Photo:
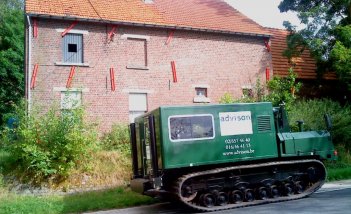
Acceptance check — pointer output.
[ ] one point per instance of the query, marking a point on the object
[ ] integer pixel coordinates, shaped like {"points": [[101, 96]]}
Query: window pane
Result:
{"points": [[134, 114], [138, 102], [201, 92], [72, 48], [191, 127]]}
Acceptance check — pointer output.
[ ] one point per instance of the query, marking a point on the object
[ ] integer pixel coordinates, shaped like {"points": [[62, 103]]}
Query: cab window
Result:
{"points": [[191, 127]]}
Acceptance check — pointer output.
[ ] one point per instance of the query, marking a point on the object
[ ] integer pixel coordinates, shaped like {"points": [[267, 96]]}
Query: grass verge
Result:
{"points": [[335, 174], [102, 172], [340, 169], [76, 203]]}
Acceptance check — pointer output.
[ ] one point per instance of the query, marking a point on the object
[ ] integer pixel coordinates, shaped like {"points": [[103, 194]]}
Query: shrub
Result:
{"points": [[226, 98], [312, 112], [6, 162], [280, 90], [117, 139], [49, 144], [283, 89], [255, 94]]}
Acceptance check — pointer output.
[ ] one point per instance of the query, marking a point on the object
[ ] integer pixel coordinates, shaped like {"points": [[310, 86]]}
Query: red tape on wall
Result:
{"points": [[70, 77], [170, 36], [112, 78], [112, 32], [34, 76], [266, 43], [35, 28], [69, 28], [267, 74], [174, 72]]}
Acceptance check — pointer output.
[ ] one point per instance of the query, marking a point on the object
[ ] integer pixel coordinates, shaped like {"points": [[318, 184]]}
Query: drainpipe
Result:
{"points": [[29, 64]]}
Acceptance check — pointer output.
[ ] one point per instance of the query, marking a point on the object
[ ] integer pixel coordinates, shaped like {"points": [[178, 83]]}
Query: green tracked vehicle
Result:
{"points": [[214, 157]]}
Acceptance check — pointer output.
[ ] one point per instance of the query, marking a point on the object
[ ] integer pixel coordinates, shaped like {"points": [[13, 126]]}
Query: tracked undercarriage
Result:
{"points": [[239, 186]]}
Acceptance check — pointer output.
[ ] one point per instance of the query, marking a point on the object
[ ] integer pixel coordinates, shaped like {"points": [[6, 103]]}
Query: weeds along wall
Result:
{"points": [[141, 62], [48, 145]]}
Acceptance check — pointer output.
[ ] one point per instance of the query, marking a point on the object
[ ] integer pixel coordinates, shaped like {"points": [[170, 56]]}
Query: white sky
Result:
{"points": [[264, 12]]}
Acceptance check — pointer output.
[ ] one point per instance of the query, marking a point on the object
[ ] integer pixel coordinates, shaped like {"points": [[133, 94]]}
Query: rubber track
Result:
{"points": [[307, 192]]}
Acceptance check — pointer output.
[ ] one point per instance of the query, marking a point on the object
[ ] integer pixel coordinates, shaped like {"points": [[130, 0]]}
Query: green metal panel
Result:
{"points": [[159, 134], [143, 146], [240, 132], [308, 143], [287, 145]]}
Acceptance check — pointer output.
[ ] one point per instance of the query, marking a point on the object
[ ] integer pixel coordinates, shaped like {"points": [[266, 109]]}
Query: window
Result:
{"points": [[71, 99], [201, 95], [247, 92], [73, 48], [191, 127], [137, 105], [201, 92], [136, 51]]}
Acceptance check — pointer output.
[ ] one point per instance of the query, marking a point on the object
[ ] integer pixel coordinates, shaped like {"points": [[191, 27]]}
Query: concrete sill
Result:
{"points": [[137, 67], [202, 100], [72, 64]]}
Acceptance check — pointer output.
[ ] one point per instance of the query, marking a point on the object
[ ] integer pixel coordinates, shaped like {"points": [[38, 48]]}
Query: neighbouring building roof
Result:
{"points": [[210, 15], [304, 65]]}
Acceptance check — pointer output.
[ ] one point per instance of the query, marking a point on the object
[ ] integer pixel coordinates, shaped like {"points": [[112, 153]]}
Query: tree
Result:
{"points": [[327, 34], [11, 55], [12, 4]]}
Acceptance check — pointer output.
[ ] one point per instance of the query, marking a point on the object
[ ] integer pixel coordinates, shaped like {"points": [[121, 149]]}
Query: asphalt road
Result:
{"points": [[332, 198]]}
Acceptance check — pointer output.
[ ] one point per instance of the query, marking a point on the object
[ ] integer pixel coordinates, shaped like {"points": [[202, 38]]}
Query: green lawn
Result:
{"points": [[76, 203]]}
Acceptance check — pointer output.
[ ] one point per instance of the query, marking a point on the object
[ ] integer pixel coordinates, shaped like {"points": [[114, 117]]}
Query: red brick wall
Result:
{"points": [[224, 63]]}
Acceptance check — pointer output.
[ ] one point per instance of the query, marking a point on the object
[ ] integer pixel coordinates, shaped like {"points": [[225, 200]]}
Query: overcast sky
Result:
{"points": [[264, 12]]}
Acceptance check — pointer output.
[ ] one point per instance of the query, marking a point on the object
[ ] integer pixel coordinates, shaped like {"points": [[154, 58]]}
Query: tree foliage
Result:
{"points": [[327, 33], [11, 55]]}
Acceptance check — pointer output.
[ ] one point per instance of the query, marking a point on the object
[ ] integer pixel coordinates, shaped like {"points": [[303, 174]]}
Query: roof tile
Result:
{"points": [[304, 65], [214, 15]]}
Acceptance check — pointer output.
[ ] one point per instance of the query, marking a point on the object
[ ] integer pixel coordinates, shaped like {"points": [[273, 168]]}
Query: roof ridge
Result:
{"points": [[277, 29]]}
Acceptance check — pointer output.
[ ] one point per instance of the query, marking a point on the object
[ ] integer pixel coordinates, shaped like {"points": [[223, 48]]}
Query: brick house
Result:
{"points": [[121, 58]]}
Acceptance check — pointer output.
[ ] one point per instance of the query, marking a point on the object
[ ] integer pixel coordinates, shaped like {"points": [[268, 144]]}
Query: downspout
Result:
{"points": [[29, 64]]}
